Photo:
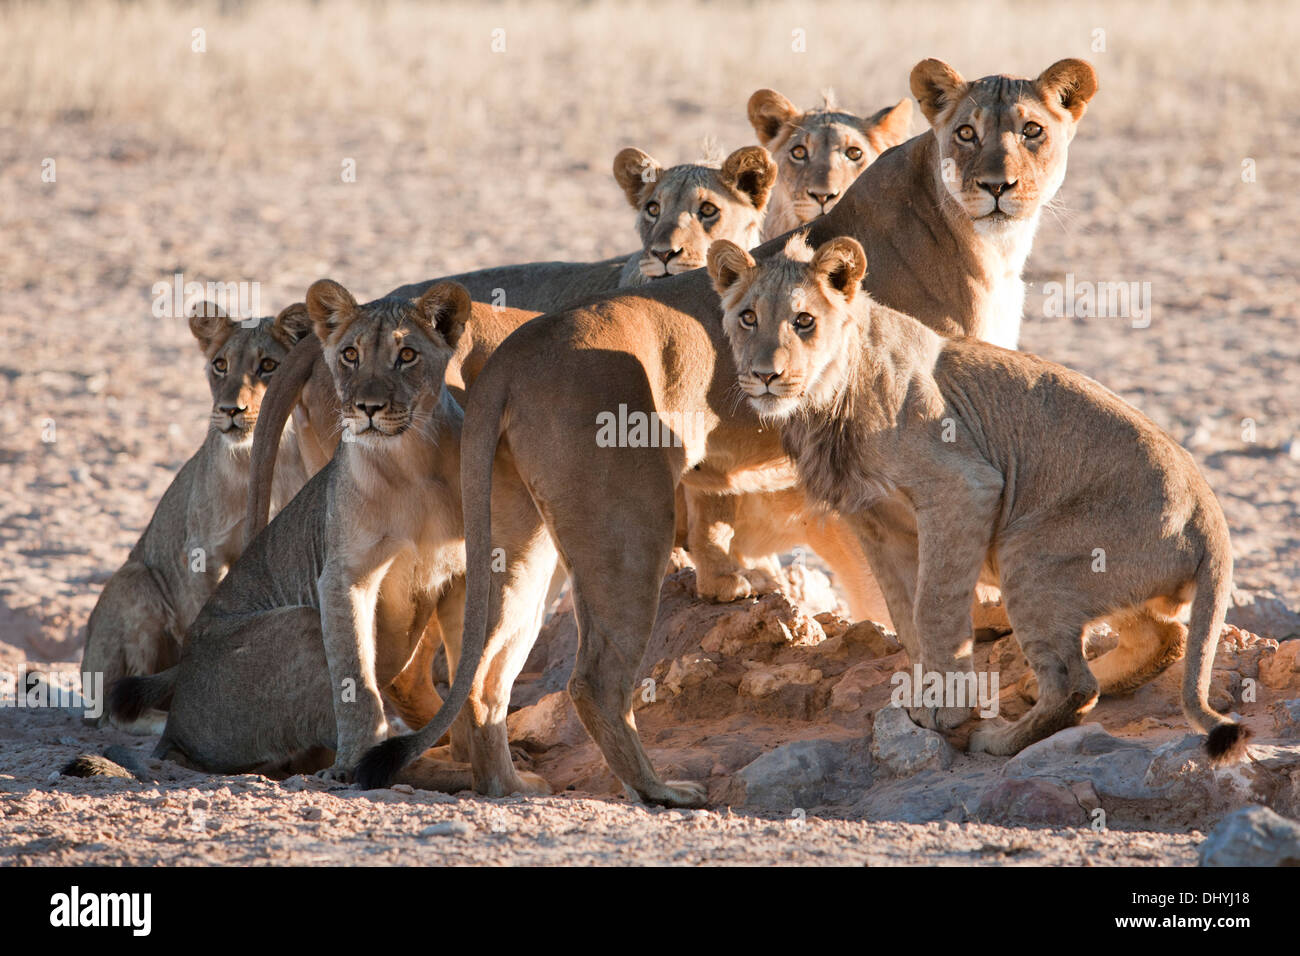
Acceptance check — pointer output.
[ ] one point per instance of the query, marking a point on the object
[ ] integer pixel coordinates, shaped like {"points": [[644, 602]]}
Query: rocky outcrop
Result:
{"points": [[778, 708]]}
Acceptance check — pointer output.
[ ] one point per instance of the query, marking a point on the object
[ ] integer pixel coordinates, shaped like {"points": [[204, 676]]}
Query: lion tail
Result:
{"points": [[479, 439], [277, 405], [1226, 740], [130, 697]]}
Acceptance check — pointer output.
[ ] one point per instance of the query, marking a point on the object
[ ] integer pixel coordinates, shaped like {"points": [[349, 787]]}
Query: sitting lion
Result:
{"points": [[196, 532], [951, 456], [327, 605], [818, 152]]}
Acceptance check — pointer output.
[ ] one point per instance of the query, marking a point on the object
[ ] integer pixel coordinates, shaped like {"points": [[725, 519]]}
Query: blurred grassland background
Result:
{"points": [[573, 77]]}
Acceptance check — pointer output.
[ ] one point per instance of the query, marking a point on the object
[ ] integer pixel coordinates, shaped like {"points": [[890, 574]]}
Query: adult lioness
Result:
{"points": [[661, 349], [819, 152], [327, 605], [952, 456], [196, 532]]}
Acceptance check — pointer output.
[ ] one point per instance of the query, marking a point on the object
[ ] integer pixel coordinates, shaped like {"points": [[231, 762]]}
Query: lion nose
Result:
{"points": [[767, 378], [372, 408], [232, 410], [663, 255], [998, 188], [822, 199]]}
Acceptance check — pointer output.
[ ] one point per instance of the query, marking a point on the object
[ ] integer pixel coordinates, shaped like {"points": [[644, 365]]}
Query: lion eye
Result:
{"points": [[708, 209], [269, 365], [853, 153], [747, 319], [800, 153], [219, 364], [1032, 130], [406, 356], [966, 133], [652, 209], [803, 321], [349, 355]]}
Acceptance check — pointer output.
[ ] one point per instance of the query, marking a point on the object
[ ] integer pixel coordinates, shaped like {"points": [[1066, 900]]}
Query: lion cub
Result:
{"points": [[819, 152], [328, 604], [196, 532], [950, 455]]}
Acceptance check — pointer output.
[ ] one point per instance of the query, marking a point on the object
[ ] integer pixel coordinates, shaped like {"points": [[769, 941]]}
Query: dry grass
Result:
{"points": [[274, 75]]}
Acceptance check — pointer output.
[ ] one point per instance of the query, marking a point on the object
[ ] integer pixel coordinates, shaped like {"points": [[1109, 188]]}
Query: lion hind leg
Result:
{"points": [[1067, 690], [1149, 641]]}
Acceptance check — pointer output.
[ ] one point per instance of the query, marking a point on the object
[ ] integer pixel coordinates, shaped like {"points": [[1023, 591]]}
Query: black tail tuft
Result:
{"points": [[1226, 743], [381, 763], [130, 697]]}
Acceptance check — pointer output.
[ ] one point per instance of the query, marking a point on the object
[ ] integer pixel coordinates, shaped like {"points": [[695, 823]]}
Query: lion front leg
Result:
{"points": [[348, 596], [954, 529], [711, 526]]}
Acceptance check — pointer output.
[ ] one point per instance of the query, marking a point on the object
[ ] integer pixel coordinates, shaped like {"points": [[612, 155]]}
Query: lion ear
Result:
{"points": [[750, 172], [330, 307], [1072, 83], [208, 323], [292, 324], [727, 263], [936, 86], [769, 111], [634, 171], [840, 264], [889, 127], [447, 307]]}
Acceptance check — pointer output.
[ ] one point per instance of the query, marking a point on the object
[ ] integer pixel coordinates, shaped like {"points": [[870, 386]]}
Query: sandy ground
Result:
{"points": [[100, 402]]}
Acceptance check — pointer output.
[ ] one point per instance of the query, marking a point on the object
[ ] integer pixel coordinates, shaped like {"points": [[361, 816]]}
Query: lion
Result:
{"points": [[327, 606], [953, 456], [138, 624], [608, 512], [819, 152], [733, 541]]}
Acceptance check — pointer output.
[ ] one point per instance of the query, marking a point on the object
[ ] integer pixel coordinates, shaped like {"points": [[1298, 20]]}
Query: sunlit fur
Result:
{"points": [[693, 205], [819, 152]]}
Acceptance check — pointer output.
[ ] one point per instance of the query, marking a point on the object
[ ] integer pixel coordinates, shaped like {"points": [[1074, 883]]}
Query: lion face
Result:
{"points": [[1003, 141], [682, 209], [820, 152], [388, 357], [241, 362], [789, 321]]}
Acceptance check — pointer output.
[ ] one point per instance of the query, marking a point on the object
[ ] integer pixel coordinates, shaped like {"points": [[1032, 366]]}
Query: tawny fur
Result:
{"points": [[954, 458], [534, 479]]}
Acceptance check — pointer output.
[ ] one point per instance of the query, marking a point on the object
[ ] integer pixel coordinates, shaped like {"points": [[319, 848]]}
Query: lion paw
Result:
{"points": [[533, 785], [992, 737], [677, 793], [735, 584], [334, 774], [939, 718]]}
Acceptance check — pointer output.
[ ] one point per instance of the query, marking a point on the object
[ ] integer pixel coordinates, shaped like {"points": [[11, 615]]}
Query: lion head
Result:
{"points": [[790, 321], [819, 152], [388, 357], [1003, 141], [242, 357], [680, 210]]}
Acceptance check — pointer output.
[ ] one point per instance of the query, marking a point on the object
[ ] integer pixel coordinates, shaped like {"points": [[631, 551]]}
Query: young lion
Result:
{"points": [[818, 153], [196, 532], [951, 455], [328, 604]]}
